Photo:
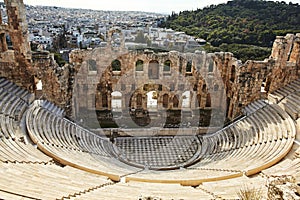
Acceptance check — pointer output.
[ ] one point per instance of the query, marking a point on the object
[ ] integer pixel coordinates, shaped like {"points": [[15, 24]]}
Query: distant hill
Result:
{"points": [[243, 26]]}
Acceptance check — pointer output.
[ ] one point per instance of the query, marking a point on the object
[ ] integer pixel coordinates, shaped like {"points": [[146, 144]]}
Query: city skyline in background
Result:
{"points": [[157, 6]]}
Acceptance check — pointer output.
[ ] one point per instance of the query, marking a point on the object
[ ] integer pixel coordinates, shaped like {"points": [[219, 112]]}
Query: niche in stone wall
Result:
{"points": [[153, 70], [175, 102], [165, 100]]}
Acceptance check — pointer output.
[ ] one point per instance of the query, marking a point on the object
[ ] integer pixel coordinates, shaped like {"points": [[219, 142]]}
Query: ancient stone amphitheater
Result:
{"points": [[45, 155]]}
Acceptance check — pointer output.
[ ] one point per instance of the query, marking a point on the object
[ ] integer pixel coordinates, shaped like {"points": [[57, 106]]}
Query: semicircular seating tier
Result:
{"points": [[14, 144], [248, 146]]}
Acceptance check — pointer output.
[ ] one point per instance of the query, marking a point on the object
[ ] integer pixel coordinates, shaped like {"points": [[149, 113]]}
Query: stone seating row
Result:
{"points": [[252, 144], [13, 144], [13, 103], [254, 106], [281, 93], [230, 189], [145, 191], [9, 87], [230, 144], [47, 181], [246, 147], [291, 104], [104, 165], [72, 145], [51, 107], [14, 151]]}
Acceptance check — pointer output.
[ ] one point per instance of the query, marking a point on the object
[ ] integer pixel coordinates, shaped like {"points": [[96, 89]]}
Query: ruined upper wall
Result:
{"points": [[242, 82], [16, 63]]}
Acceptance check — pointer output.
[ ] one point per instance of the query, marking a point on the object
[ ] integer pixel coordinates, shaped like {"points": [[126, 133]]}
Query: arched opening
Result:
{"points": [[116, 65], [104, 101], [167, 66], [232, 73], [211, 66], [204, 88], [175, 101], [39, 85], [116, 101], [198, 101], [263, 86], [139, 101], [189, 66], [153, 71], [9, 42], [208, 101], [3, 44], [152, 100], [139, 65], [92, 65], [165, 100], [186, 99]]}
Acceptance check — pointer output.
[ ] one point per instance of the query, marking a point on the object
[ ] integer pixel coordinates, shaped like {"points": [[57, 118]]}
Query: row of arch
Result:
{"points": [[152, 101], [153, 67], [139, 65]]}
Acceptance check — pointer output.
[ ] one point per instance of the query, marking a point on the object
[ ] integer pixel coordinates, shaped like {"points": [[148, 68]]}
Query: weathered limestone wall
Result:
{"points": [[57, 81], [18, 67], [286, 55], [280, 69], [210, 74]]}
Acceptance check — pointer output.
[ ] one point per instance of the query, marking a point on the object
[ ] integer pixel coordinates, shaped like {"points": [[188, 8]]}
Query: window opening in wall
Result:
{"points": [[3, 44], [39, 85], [92, 65], [211, 66], [9, 42], [167, 66], [116, 65], [139, 65], [232, 73], [189, 66]]}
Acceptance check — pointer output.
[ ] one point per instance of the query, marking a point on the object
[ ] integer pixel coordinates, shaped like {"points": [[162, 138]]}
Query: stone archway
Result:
{"points": [[152, 103], [175, 102], [116, 101], [165, 102]]}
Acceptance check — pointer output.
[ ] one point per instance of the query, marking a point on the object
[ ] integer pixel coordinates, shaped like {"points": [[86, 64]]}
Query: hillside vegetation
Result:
{"points": [[246, 28]]}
